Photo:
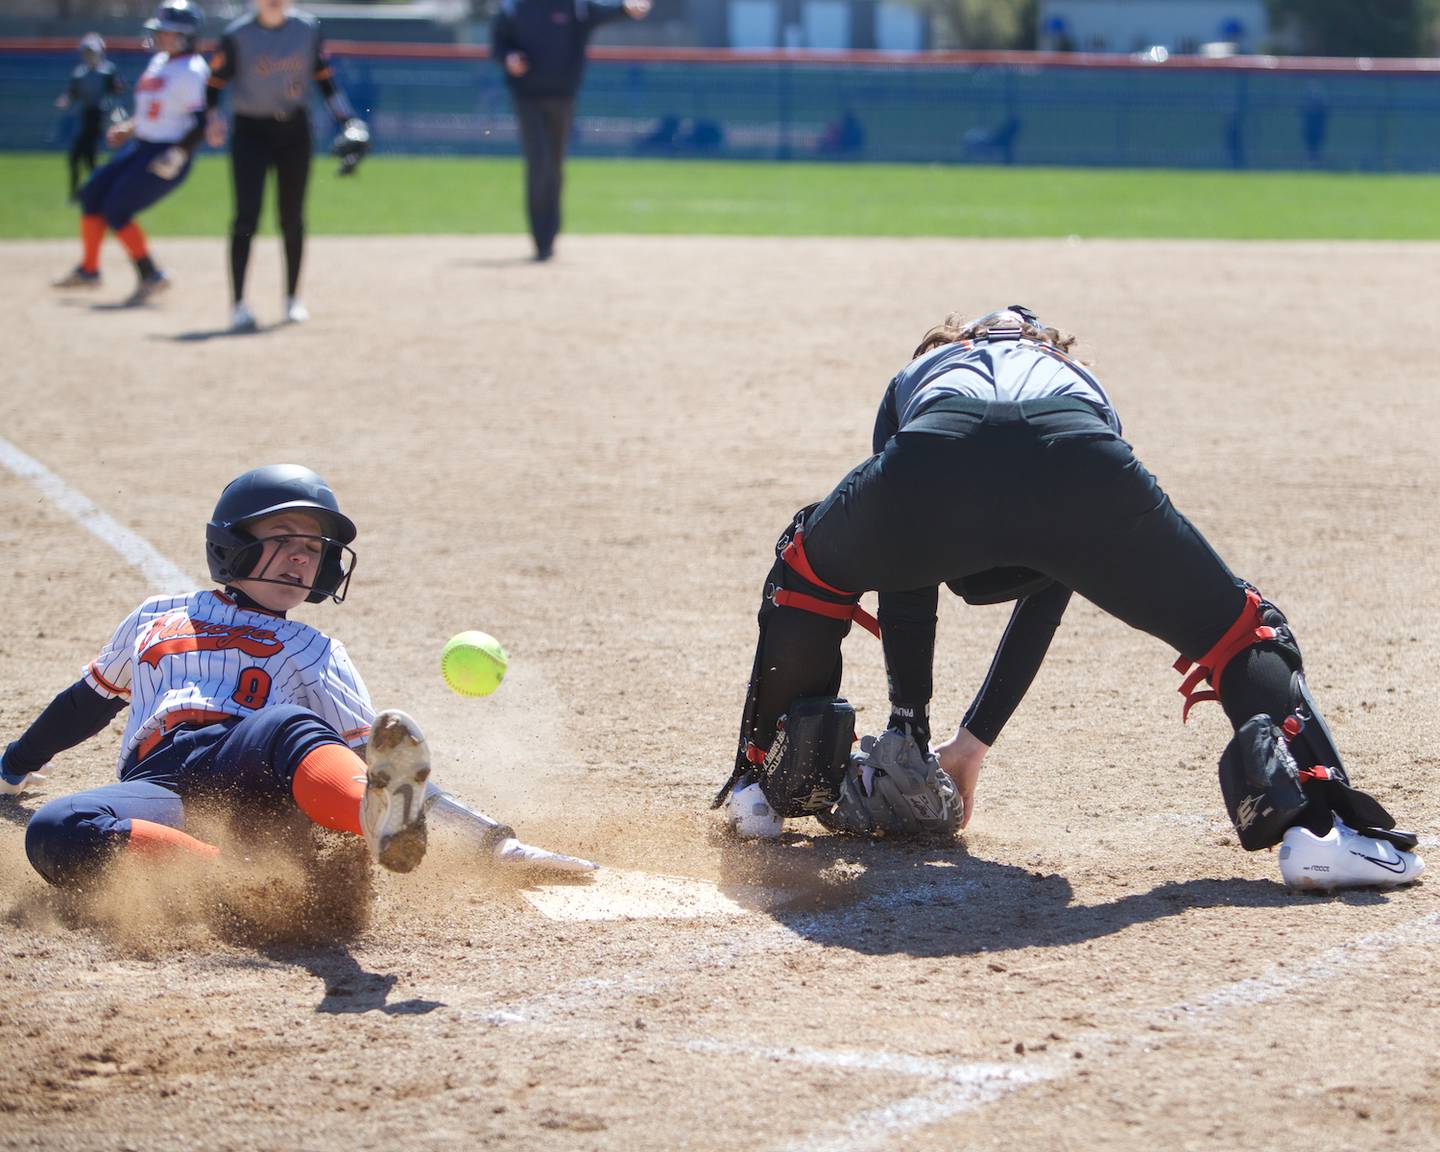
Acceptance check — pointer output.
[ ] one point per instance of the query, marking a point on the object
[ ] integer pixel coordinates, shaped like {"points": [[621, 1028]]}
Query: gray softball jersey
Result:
{"points": [[269, 69], [1002, 367]]}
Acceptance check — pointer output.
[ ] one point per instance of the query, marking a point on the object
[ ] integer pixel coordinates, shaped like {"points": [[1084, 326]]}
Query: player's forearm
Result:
{"points": [[907, 632], [74, 716], [1021, 652]]}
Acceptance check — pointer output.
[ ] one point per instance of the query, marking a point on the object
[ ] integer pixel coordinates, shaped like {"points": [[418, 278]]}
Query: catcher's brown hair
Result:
{"points": [[957, 327]]}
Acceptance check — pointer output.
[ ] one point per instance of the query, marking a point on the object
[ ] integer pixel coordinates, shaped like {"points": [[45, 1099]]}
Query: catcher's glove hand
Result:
{"points": [[351, 144], [893, 788]]}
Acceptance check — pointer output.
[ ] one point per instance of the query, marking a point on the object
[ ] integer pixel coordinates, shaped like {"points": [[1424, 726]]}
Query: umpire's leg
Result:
{"points": [[544, 127]]}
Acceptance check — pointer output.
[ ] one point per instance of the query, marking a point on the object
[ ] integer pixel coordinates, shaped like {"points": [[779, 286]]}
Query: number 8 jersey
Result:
{"points": [[201, 659], [168, 97]]}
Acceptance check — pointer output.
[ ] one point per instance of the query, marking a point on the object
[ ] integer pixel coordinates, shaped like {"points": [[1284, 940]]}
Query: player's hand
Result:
{"points": [[637, 9], [960, 759], [168, 164], [215, 129], [517, 63], [119, 132], [62, 101], [14, 785]]}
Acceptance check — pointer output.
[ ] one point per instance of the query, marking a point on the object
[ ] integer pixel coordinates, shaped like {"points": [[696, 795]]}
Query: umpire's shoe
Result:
{"points": [[1344, 858], [392, 814]]}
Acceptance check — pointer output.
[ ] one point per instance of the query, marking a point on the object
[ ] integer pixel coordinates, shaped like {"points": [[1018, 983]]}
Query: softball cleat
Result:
{"points": [[242, 320], [149, 286], [392, 813], [749, 814], [77, 277], [1344, 858]]}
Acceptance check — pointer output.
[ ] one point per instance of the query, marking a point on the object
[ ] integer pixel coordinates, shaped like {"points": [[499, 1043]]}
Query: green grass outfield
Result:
{"points": [[396, 195]]}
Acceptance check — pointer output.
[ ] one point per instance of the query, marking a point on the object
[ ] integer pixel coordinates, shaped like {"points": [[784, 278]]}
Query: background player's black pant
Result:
{"points": [[257, 145], [544, 132], [85, 146], [1046, 486]]}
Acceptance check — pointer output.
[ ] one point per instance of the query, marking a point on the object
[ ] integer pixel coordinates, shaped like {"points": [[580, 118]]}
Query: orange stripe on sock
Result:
{"points": [[326, 789], [132, 236], [151, 839], [92, 232]]}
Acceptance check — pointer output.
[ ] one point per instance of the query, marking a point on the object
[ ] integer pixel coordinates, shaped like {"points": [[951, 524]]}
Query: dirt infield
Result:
{"points": [[591, 459]]}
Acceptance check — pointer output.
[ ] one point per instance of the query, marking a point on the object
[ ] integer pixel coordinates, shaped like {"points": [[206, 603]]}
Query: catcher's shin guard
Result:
{"points": [[797, 654]]}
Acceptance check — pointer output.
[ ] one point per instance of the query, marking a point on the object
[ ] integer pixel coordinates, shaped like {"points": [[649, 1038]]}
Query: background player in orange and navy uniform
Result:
{"points": [[267, 59], [158, 145], [232, 701], [93, 86]]}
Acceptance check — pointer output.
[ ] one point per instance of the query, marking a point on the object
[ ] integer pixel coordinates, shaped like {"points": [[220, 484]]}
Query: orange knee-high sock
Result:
{"points": [[92, 232], [132, 236], [151, 839], [329, 785]]}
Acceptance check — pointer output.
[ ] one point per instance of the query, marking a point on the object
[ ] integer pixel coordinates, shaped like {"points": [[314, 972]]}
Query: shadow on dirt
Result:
{"points": [[349, 988], [934, 900]]}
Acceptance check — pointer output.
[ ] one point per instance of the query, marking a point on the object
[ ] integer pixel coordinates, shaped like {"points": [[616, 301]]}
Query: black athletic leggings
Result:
{"points": [[1048, 486], [85, 145], [256, 146]]}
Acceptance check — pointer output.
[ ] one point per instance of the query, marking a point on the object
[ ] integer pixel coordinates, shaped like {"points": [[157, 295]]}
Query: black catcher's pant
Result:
{"points": [[1044, 485], [257, 145], [544, 132]]}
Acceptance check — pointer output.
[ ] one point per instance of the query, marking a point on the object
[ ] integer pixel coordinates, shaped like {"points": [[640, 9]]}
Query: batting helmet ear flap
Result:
{"points": [[231, 554]]}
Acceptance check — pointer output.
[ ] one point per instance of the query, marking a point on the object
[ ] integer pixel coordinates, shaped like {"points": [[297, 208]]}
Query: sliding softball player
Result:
{"points": [[232, 702]]}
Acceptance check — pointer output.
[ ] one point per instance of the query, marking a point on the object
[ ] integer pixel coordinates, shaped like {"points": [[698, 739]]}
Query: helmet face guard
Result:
{"points": [[233, 552], [239, 555]]}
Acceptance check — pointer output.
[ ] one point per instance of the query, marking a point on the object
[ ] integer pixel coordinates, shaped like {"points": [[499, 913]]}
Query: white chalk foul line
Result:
{"points": [[162, 575]]}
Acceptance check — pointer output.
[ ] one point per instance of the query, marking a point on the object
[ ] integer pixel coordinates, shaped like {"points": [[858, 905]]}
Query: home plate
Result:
{"points": [[615, 894]]}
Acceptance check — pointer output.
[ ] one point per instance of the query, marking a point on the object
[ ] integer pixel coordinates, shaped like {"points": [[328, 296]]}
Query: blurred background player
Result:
{"points": [[999, 470], [93, 88], [541, 45], [158, 144], [267, 59], [233, 703]]}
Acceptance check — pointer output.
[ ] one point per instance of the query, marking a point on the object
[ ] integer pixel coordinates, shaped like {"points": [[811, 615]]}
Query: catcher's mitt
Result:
{"points": [[892, 788], [351, 145]]}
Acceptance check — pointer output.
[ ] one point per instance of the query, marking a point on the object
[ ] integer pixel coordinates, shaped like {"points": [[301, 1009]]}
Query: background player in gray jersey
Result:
{"points": [[999, 471], [267, 60], [91, 93]]}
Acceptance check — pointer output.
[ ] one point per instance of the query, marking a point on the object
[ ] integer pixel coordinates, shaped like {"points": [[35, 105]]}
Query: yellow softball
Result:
{"points": [[473, 663]]}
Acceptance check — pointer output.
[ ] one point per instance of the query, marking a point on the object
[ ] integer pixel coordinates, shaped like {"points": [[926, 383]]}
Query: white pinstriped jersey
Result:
{"points": [[181, 656], [169, 95]]}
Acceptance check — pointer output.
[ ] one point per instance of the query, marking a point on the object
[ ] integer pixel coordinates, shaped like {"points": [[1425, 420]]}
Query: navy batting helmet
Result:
{"points": [[177, 16], [233, 552]]}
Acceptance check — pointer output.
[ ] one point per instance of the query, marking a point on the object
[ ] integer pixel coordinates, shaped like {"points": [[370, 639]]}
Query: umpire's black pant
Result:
{"points": [[1045, 485], [544, 132], [256, 145]]}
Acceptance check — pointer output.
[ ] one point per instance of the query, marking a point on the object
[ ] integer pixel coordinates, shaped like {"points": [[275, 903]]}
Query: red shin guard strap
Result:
{"points": [[1247, 630], [794, 557]]}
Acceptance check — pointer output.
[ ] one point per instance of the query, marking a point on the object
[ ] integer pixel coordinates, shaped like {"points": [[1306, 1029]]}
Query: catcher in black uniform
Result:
{"points": [[999, 471]]}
